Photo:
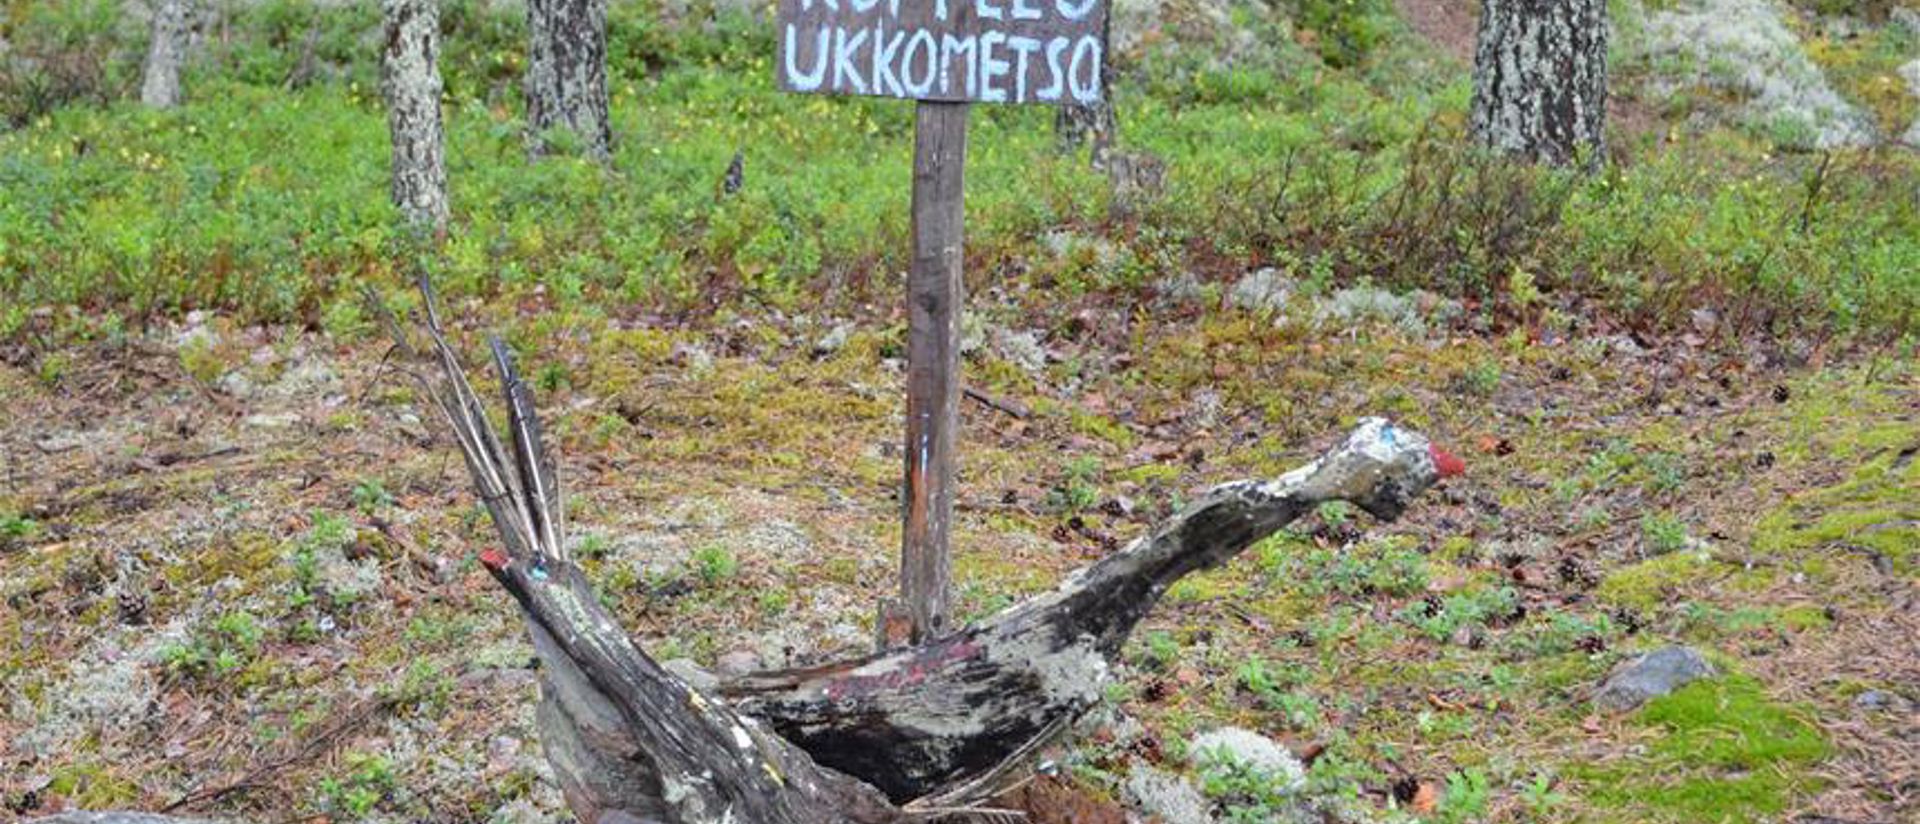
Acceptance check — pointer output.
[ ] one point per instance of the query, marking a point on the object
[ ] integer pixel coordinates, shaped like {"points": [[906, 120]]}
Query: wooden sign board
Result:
{"points": [[944, 54], [984, 51]]}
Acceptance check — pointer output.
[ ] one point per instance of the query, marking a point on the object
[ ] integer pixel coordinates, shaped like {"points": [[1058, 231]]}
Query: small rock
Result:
{"points": [[1650, 676], [1251, 750], [1881, 701], [737, 662], [1165, 796]]}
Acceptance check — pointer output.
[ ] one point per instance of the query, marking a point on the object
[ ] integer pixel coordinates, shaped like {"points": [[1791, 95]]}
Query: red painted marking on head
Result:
{"points": [[1445, 462], [494, 558]]}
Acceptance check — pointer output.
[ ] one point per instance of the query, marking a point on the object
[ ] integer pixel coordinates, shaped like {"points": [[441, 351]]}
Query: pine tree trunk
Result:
{"points": [[566, 82], [1540, 79], [160, 87], [410, 76], [1075, 125]]}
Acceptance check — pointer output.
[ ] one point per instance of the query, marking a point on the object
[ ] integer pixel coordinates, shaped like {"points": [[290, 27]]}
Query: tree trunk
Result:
{"points": [[1077, 124], [410, 76], [566, 84], [160, 87], [895, 736], [1540, 79]]}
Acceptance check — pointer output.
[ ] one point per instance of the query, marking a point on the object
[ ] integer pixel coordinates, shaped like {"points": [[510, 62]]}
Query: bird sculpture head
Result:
{"points": [[1380, 468]]}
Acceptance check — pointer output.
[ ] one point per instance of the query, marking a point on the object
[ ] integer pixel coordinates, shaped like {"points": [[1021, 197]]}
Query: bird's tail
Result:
{"points": [[519, 486]]}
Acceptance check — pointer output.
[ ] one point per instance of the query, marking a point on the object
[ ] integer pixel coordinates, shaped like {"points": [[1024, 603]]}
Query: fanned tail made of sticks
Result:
{"points": [[629, 740]]}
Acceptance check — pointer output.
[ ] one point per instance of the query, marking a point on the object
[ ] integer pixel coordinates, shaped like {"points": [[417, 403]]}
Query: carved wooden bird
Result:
{"points": [[888, 737]]}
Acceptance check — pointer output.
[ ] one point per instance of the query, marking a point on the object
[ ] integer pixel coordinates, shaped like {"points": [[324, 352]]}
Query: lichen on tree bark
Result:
{"points": [[410, 78], [566, 80], [1540, 79], [160, 83]]}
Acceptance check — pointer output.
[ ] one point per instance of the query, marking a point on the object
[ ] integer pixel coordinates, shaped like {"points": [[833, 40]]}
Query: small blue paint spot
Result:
{"points": [[539, 572]]}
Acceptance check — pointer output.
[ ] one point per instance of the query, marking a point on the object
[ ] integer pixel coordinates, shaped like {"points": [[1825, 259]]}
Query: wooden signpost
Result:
{"points": [[945, 54]]}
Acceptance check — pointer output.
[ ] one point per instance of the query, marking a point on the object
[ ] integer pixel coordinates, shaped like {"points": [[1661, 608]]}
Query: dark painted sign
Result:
{"points": [[986, 51]]}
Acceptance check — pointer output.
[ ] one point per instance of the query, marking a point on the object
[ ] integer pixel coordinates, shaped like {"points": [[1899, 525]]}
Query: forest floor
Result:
{"points": [[237, 554], [238, 562]]}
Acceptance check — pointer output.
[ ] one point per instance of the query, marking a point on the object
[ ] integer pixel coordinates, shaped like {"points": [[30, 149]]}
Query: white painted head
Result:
{"points": [[1380, 468]]}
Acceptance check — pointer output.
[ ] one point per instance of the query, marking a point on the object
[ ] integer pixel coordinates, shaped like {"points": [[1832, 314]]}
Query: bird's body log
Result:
{"points": [[893, 737]]}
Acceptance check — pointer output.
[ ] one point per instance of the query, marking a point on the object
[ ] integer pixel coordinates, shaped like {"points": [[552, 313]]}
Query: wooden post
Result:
{"points": [[934, 297]]}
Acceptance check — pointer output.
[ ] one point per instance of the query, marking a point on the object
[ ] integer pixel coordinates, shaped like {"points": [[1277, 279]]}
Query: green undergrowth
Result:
{"points": [[1720, 750], [265, 196]]}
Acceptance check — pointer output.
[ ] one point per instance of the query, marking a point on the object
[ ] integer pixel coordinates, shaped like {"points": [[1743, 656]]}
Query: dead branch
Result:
{"points": [[913, 733]]}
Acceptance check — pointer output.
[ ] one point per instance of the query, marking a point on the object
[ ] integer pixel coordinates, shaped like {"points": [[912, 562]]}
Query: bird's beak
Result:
{"points": [[1446, 463]]}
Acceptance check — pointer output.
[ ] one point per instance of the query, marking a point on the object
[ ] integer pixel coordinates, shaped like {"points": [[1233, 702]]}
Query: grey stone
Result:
{"points": [[1237, 745], [1881, 701], [1170, 798], [1650, 676]]}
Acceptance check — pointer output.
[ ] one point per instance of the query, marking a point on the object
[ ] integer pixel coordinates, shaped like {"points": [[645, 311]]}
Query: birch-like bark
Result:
{"points": [[1540, 79], [566, 81], [410, 77], [160, 85]]}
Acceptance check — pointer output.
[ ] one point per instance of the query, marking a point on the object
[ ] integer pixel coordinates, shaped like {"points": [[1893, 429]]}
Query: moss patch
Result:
{"points": [[1646, 585], [1723, 752]]}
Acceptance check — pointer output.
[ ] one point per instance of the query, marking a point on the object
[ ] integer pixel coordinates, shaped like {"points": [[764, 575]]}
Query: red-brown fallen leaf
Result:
{"points": [[1425, 798], [1591, 724], [1187, 676]]}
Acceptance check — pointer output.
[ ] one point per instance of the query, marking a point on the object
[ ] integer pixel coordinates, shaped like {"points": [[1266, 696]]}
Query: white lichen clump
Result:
{"points": [[1744, 46]]}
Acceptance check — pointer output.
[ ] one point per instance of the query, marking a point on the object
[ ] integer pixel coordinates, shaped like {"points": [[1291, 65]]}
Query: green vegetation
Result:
{"points": [[1355, 168], [369, 780], [217, 649], [1723, 752], [714, 564], [1740, 478]]}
